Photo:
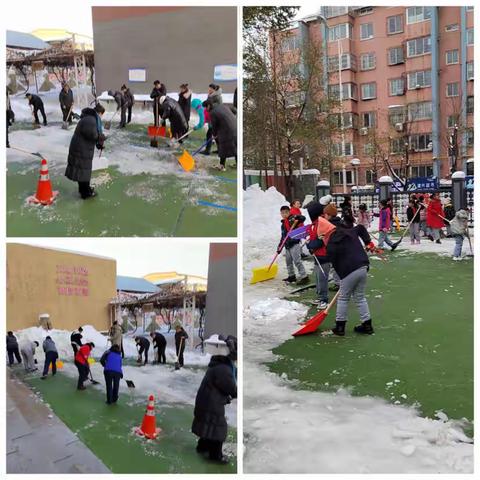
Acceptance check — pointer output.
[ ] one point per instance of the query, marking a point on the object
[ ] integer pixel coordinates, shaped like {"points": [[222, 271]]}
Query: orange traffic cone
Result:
{"points": [[44, 194], [148, 428]]}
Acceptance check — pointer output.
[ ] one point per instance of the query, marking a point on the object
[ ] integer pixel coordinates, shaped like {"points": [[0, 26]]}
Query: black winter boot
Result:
{"points": [[303, 281], [339, 329], [365, 327], [290, 279]]}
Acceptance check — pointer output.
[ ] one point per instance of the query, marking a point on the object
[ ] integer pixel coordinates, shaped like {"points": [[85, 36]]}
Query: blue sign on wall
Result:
{"points": [[422, 183], [469, 182]]}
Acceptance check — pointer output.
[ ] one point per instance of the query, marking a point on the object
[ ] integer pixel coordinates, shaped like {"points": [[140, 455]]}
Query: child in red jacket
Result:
{"points": [[81, 362], [434, 217]]}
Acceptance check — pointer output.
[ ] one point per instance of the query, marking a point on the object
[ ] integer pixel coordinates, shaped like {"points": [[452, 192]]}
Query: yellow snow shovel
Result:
{"points": [[186, 159], [261, 274]]}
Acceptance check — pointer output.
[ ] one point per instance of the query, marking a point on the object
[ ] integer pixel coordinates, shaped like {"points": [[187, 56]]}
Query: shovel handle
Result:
{"points": [[281, 246], [183, 136], [333, 302]]}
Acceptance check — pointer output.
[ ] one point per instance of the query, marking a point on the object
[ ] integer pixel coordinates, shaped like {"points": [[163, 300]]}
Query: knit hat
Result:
{"points": [[330, 209], [314, 209], [326, 199]]}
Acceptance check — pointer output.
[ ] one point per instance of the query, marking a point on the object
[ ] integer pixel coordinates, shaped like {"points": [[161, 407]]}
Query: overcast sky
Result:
{"points": [[26, 16], [138, 256]]}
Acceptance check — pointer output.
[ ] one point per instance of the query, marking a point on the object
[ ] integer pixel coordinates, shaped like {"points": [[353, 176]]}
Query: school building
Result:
{"points": [[72, 288], [138, 45]]}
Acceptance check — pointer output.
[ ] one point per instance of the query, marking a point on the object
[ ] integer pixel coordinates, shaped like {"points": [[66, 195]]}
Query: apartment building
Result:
{"points": [[404, 76]]}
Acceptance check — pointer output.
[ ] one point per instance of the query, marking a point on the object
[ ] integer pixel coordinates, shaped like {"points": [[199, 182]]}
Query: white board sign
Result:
{"points": [[225, 73], [137, 75]]}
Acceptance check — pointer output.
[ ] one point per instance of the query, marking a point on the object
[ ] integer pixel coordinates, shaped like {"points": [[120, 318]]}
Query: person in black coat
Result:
{"points": [[224, 129], [120, 100], [88, 135], [347, 211], [143, 345], [37, 103], [76, 340], [172, 111], [129, 101], [65, 98], [185, 100], [159, 90], [10, 116], [217, 389], [159, 343], [12, 349], [180, 340]]}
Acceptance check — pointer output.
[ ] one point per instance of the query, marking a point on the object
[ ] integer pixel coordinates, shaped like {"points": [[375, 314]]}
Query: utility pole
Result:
{"points": [[453, 149]]}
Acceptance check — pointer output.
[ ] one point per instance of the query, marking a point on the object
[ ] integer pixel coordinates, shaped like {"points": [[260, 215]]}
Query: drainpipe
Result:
{"points": [[435, 95], [303, 65], [324, 33], [463, 55]]}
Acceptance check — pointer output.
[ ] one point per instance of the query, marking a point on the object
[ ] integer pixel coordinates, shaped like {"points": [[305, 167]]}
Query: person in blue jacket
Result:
{"points": [[112, 371]]}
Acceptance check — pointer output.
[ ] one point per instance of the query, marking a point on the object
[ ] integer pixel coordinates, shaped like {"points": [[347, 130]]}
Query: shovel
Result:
{"points": [[177, 363], [176, 140], [91, 378], [397, 243], [108, 123], [312, 325], [65, 123], [186, 159], [130, 384], [261, 274], [35, 125]]}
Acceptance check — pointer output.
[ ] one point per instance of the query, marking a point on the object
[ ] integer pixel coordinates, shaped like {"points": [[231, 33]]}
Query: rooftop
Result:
{"points": [[25, 41], [133, 284]]}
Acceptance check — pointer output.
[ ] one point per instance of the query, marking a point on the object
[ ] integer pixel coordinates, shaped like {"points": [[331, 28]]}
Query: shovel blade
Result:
{"points": [[107, 125], [130, 384], [65, 126], [262, 274], [186, 161], [154, 131], [311, 325]]}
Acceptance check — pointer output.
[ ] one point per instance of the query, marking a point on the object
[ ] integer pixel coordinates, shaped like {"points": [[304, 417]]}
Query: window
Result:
{"points": [[397, 145], [337, 149], [369, 91], [397, 114], [292, 42], [453, 27], [364, 11], [418, 14], [421, 142], [338, 177], [350, 120], [396, 86], [340, 31], [348, 62], [470, 9], [469, 70], [452, 120], [419, 79], [451, 57], [470, 36], [368, 119], [292, 70], [395, 24], [419, 111], [367, 61], [419, 46], [349, 91], [470, 138], [366, 31], [294, 99], [370, 176], [422, 171], [331, 12], [395, 55], [368, 149], [452, 89], [470, 105]]}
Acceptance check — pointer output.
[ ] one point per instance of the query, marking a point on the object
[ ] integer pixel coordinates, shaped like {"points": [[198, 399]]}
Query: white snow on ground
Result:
{"points": [[163, 381], [325, 432]]}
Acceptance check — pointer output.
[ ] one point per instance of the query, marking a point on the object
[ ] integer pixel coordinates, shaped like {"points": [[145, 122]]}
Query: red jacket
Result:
{"points": [[434, 208], [313, 235], [82, 355], [295, 211]]}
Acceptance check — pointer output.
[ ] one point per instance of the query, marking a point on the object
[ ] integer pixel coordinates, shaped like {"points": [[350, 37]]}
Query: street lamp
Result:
{"points": [[355, 163]]}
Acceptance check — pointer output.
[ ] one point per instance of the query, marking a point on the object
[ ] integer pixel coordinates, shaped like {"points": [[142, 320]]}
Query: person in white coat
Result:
{"points": [[27, 350]]}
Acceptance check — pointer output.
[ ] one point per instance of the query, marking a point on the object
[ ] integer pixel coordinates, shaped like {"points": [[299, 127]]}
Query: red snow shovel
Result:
{"points": [[312, 325]]}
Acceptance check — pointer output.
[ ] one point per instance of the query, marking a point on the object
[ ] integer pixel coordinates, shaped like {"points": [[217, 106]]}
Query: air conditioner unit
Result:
{"points": [[399, 127], [363, 131], [417, 86]]}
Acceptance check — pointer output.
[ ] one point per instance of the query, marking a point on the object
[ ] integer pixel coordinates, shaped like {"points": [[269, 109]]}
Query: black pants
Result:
{"points": [[84, 189], [121, 349], [50, 358], [129, 116], [75, 349], [180, 354], [82, 373], [67, 117], [213, 447], [142, 349], [11, 353], [161, 357], [42, 111], [209, 138], [123, 117], [112, 382], [224, 159]]}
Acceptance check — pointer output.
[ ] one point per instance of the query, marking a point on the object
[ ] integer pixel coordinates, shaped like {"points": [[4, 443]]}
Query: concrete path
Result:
{"points": [[38, 441]]}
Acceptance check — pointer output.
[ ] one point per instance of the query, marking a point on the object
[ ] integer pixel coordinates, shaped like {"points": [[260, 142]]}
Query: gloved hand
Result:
{"points": [[370, 247], [101, 141]]}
